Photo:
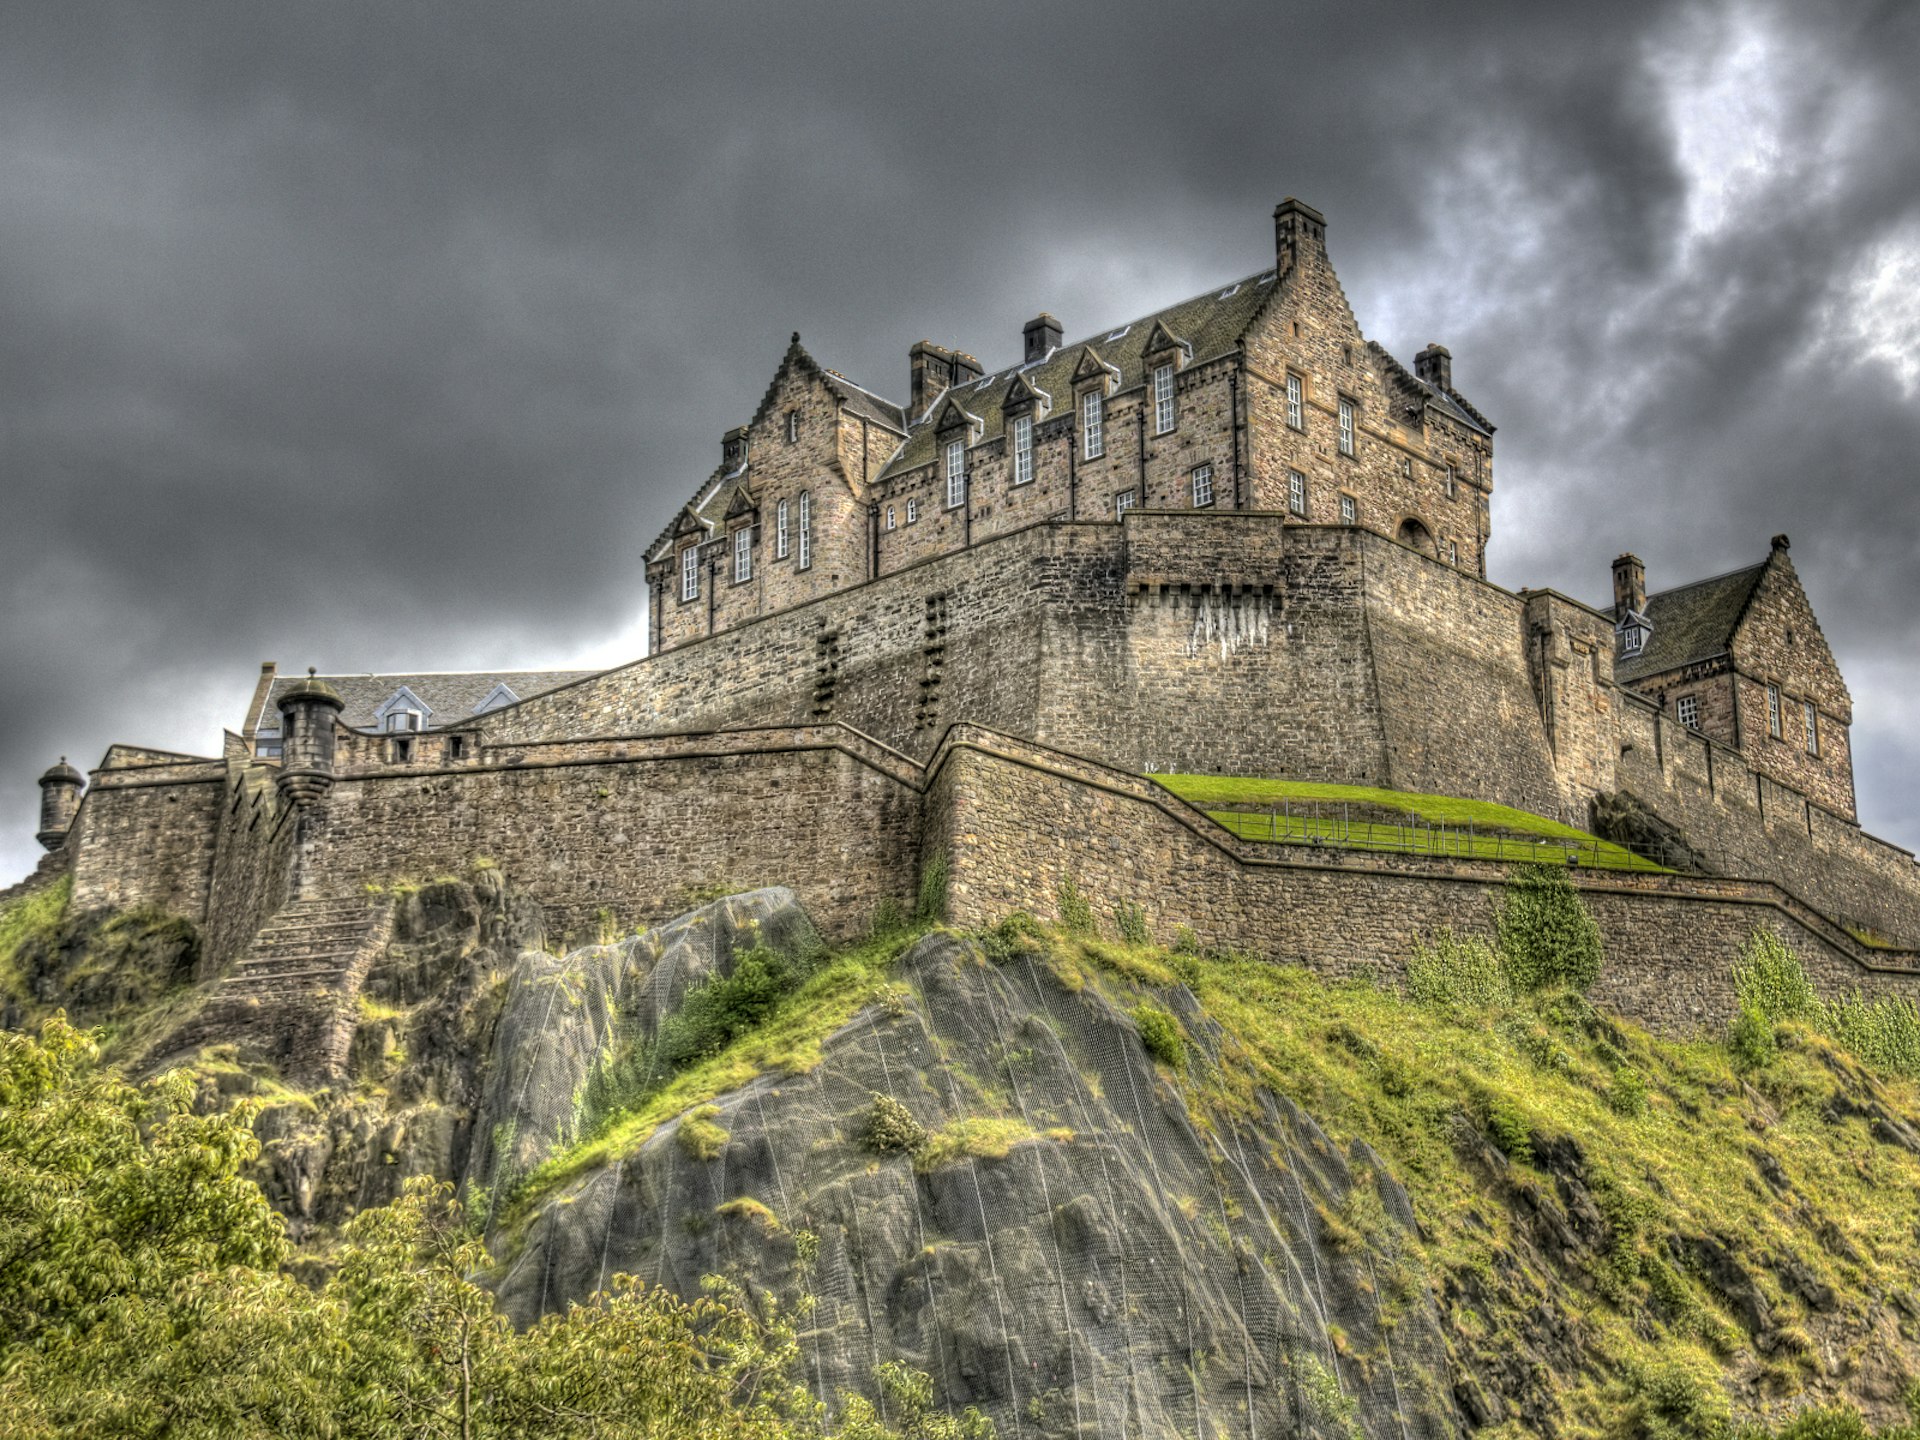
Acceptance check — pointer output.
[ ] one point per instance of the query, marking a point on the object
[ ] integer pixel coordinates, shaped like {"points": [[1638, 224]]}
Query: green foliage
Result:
{"points": [[1627, 1093], [1076, 915], [1161, 1034], [1185, 942], [1131, 922], [890, 1127], [711, 1016], [888, 919], [34, 919], [1883, 1034], [141, 1295], [1457, 973], [1014, 936], [99, 966], [1671, 1401], [930, 906], [1750, 1039], [1769, 977], [1547, 938], [981, 1137], [1507, 1125]]}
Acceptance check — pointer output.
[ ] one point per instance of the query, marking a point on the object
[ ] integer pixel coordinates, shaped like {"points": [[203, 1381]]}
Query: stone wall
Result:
{"points": [[253, 857], [145, 837], [1017, 821], [583, 831]]}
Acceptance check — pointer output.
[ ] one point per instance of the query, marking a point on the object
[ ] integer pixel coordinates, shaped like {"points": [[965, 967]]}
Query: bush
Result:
{"points": [[1628, 1092], [1013, 937], [890, 1127], [1750, 1038], [1450, 972], [1131, 922], [1546, 935], [701, 1136], [1076, 915], [1670, 1402], [1883, 1034], [1160, 1033], [1769, 977]]}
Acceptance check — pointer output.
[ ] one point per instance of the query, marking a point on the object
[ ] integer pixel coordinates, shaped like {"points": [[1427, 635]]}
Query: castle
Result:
{"points": [[1231, 538]]}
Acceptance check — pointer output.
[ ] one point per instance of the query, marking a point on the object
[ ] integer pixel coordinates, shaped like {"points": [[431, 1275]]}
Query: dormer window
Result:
{"points": [[402, 722], [1093, 435], [1632, 634], [501, 695], [956, 473], [1023, 450], [403, 713], [690, 573], [1164, 412]]}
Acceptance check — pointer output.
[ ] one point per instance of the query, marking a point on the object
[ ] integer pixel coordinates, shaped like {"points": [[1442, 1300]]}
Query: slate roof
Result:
{"points": [[450, 696], [1691, 623], [1212, 323], [866, 403], [1449, 400]]}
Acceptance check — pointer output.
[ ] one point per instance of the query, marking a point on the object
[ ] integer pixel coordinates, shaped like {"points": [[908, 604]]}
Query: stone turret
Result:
{"points": [[60, 790], [307, 713]]}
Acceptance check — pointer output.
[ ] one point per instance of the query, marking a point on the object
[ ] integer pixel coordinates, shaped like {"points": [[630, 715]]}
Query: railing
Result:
{"points": [[1332, 826]]}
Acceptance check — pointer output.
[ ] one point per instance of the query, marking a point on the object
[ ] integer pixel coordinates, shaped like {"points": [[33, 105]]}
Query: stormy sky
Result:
{"points": [[385, 336]]}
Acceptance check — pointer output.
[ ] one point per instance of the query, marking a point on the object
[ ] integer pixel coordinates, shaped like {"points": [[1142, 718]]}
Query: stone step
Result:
{"points": [[355, 926], [302, 965], [315, 945]]}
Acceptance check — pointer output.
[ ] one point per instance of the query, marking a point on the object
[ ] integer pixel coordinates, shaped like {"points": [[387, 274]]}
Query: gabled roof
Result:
{"points": [[1691, 623], [1448, 401], [1212, 323], [865, 404], [448, 696]]}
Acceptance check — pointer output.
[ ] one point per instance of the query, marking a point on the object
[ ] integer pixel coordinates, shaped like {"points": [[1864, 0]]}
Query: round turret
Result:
{"points": [[60, 790], [307, 711]]}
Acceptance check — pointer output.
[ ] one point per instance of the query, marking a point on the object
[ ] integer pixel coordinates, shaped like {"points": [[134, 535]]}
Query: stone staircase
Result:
{"points": [[292, 999]]}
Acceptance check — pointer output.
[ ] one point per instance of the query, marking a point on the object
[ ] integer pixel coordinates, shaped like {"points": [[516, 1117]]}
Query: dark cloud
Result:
{"points": [[377, 336]]}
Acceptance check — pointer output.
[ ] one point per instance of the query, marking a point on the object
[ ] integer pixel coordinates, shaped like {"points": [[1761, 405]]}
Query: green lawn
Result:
{"points": [[1441, 824]]}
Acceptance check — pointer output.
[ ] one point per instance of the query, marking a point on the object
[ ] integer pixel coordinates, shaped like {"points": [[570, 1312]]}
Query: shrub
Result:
{"points": [[930, 908], [1451, 972], [1883, 1034], [1185, 942], [1131, 922], [1076, 915], [1546, 935], [1769, 977], [888, 919], [1628, 1092], [890, 1127], [1508, 1127], [1750, 1038], [1670, 1402], [1160, 1033], [1012, 937]]}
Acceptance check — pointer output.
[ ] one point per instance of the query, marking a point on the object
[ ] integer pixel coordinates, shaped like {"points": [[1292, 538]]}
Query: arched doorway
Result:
{"points": [[1416, 534]]}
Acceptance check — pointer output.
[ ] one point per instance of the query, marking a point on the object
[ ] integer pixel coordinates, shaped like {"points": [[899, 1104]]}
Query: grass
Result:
{"points": [[1669, 1149], [1514, 835], [985, 1137], [32, 917]]}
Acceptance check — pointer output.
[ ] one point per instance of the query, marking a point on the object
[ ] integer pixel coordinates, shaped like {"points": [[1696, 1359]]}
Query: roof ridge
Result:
{"points": [[1708, 579]]}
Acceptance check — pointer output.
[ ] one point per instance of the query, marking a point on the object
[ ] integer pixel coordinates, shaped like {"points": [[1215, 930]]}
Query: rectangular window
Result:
{"points": [[1687, 708], [1296, 403], [1163, 414], [956, 473], [1812, 718], [1296, 493], [743, 554], [1122, 503], [1093, 432], [690, 573], [890, 522], [1773, 711], [456, 747], [793, 426], [1202, 486], [1453, 552], [1450, 482], [913, 511], [806, 529], [1346, 427], [1022, 449], [780, 531], [402, 751], [1349, 510]]}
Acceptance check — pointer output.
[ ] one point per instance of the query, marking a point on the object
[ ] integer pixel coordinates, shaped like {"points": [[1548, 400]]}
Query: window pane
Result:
{"points": [[1202, 485], [1295, 406], [1022, 449], [1095, 437], [1163, 399], [1346, 427]]}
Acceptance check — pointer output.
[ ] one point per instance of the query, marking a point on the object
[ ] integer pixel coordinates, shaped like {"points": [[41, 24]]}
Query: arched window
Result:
{"points": [[1414, 533]]}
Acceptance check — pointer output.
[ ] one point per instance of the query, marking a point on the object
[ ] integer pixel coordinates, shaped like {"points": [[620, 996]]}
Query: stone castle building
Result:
{"points": [[1232, 538]]}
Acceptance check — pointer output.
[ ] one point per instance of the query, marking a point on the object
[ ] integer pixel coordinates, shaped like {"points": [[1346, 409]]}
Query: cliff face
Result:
{"points": [[1098, 1189]]}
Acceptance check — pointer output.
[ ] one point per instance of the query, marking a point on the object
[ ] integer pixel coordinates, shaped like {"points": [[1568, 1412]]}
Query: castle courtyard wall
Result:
{"points": [[145, 837]]}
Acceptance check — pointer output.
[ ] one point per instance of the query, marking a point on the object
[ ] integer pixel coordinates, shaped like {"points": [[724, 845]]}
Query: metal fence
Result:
{"points": [[1333, 826]]}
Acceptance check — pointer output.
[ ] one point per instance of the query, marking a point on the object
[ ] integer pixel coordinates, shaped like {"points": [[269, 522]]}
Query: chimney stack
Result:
{"points": [[1435, 366], [1042, 336], [1629, 586], [933, 369], [1296, 223]]}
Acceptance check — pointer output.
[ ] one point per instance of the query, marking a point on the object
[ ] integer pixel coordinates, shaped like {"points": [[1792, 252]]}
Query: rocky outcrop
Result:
{"points": [[1069, 1250]]}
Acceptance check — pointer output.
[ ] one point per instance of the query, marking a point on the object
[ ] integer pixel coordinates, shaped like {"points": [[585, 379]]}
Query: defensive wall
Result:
{"points": [[621, 828]]}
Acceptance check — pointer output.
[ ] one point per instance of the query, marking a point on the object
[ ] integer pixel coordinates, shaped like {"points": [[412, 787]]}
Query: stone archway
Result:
{"points": [[1414, 533]]}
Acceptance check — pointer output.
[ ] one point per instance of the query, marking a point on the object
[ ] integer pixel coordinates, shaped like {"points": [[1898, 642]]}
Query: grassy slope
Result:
{"points": [[1215, 793], [1373, 1065]]}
